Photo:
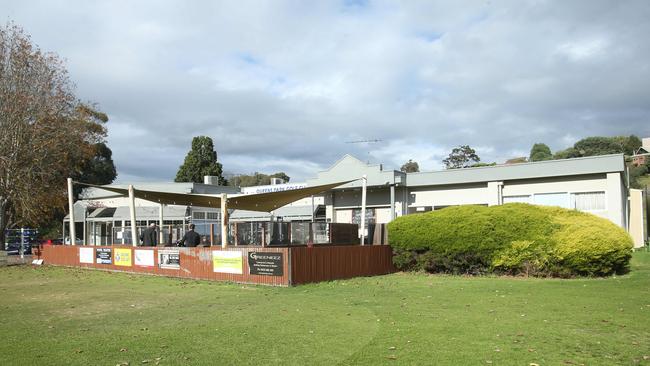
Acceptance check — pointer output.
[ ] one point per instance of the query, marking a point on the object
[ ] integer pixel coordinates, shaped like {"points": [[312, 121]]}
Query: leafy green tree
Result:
{"points": [[285, 178], [597, 145], [567, 153], [256, 179], [637, 172], [630, 144], [98, 169], [200, 161], [410, 167], [479, 165], [519, 160], [540, 152], [461, 157], [46, 133]]}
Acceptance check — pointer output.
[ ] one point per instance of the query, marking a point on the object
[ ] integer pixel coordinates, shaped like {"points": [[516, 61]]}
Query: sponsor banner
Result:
{"points": [[122, 257], [104, 255], [224, 261], [143, 257], [169, 259], [86, 255], [265, 263]]}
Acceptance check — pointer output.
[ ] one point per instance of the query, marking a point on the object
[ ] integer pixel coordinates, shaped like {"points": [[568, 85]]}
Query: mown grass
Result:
{"points": [[64, 316]]}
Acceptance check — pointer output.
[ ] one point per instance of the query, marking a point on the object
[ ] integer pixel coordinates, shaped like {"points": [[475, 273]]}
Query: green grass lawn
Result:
{"points": [[61, 316]]}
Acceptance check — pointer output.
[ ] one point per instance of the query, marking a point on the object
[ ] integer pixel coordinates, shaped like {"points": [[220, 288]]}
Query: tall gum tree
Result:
{"points": [[46, 133]]}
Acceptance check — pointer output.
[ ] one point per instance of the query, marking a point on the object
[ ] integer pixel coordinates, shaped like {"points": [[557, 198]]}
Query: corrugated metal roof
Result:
{"points": [[541, 169], [350, 168]]}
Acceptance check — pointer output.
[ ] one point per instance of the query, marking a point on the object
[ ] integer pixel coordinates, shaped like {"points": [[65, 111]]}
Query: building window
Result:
{"points": [[552, 199], [198, 215], [213, 216], [513, 199], [370, 216], [421, 209], [588, 201]]}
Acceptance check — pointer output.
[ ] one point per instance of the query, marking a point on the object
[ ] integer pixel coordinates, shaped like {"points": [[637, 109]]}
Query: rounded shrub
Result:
{"points": [[514, 239]]}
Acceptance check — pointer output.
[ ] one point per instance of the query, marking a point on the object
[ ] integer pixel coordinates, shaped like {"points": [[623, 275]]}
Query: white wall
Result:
{"points": [[637, 224], [382, 215], [560, 184], [615, 197], [568, 185], [449, 195], [344, 216]]}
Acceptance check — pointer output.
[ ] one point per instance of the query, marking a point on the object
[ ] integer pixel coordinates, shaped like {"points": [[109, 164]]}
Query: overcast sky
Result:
{"points": [[284, 85]]}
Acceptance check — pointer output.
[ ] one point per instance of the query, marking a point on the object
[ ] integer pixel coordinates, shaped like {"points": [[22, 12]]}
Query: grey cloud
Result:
{"points": [[284, 85]]}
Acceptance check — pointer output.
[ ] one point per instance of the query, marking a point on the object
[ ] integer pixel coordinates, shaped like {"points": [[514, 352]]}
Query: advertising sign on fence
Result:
{"points": [[123, 257], [86, 255], [143, 257], [104, 255], [169, 259], [224, 261], [265, 263]]}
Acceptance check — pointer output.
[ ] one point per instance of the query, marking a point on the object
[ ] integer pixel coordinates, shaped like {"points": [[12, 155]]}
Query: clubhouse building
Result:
{"points": [[593, 184]]}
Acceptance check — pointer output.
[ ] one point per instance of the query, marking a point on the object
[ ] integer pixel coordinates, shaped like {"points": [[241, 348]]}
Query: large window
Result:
{"points": [[213, 216], [552, 199], [512, 199], [588, 201], [370, 216]]}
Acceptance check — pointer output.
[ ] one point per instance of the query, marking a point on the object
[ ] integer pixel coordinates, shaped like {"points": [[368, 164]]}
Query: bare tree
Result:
{"points": [[45, 132]]}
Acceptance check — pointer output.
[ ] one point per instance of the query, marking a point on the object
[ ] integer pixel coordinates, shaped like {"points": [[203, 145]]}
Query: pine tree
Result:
{"points": [[200, 161]]}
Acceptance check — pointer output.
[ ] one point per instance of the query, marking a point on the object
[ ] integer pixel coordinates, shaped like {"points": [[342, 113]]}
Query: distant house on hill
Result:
{"points": [[639, 159]]}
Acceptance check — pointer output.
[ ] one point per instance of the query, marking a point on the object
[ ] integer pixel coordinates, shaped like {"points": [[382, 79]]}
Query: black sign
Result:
{"points": [[104, 255], [265, 263]]}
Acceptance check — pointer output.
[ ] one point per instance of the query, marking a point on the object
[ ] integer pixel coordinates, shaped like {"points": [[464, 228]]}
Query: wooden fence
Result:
{"points": [[274, 266], [326, 263]]}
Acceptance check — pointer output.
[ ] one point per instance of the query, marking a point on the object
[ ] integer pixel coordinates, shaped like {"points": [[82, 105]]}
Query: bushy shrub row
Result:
{"points": [[510, 239]]}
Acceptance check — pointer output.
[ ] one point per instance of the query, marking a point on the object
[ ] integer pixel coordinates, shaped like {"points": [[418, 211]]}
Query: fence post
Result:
{"points": [[22, 243], [73, 234]]}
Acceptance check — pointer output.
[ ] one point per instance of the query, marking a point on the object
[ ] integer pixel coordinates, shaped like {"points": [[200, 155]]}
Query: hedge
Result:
{"points": [[512, 239]]}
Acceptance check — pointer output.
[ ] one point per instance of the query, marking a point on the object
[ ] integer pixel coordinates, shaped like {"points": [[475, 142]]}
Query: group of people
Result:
{"points": [[149, 237]]}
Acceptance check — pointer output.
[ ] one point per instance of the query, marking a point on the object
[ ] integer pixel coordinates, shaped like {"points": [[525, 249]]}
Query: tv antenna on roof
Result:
{"points": [[362, 141], [370, 141]]}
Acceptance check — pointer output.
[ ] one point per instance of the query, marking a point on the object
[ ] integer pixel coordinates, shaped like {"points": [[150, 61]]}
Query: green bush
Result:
{"points": [[510, 239]]}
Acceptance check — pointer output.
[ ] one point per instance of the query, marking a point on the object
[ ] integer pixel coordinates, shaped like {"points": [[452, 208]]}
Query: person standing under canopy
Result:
{"points": [[191, 237], [149, 236]]}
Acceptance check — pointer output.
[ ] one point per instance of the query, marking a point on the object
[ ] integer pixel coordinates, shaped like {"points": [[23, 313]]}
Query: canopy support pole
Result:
{"points": [[364, 183], [134, 228], [224, 221], [71, 208], [392, 202], [161, 235]]}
